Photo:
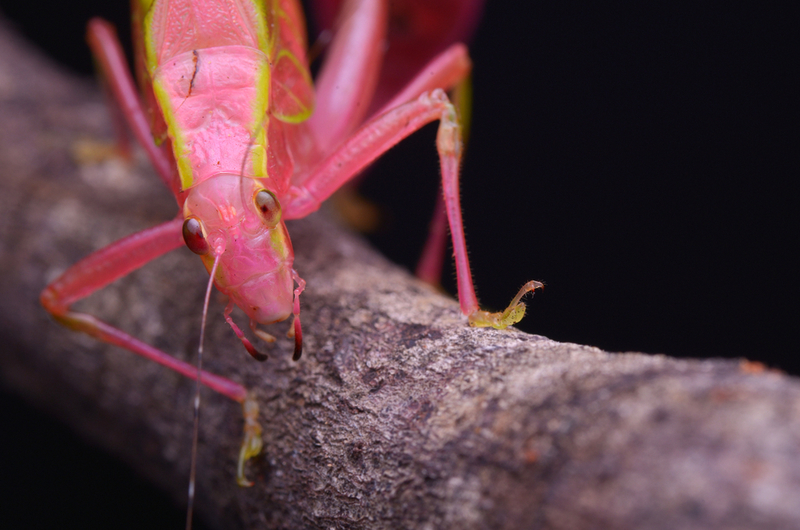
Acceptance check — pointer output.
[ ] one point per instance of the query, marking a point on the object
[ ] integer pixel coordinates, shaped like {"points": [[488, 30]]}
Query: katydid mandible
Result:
{"points": [[235, 128]]}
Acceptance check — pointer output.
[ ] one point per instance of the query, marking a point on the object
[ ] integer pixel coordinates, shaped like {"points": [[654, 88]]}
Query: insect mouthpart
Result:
{"points": [[267, 297]]}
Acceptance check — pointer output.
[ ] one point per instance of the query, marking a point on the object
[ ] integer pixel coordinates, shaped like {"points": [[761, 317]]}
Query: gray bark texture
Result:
{"points": [[398, 415]]}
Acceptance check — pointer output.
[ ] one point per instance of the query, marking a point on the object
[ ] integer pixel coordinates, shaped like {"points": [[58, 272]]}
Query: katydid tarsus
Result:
{"points": [[227, 116]]}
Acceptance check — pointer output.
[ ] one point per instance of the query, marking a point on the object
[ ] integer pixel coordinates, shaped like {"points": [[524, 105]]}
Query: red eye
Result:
{"points": [[194, 236], [268, 206]]}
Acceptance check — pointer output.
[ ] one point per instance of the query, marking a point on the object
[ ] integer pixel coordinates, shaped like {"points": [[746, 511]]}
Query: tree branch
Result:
{"points": [[398, 415]]}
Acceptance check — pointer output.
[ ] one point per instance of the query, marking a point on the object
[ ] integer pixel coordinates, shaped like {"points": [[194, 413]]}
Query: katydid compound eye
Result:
{"points": [[194, 236], [268, 206]]}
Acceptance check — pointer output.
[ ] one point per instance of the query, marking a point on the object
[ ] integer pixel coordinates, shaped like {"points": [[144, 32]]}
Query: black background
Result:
{"points": [[638, 159]]}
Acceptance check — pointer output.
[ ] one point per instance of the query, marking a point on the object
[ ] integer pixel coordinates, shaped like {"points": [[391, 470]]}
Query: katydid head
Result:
{"points": [[240, 220]]}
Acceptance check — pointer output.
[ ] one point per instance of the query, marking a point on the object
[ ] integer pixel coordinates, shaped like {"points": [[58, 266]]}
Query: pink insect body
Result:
{"points": [[221, 75], [230, 103]]}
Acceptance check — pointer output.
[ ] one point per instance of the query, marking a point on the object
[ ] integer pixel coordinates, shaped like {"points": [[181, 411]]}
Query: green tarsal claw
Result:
{"points": [[512, 314], [251, 445]]}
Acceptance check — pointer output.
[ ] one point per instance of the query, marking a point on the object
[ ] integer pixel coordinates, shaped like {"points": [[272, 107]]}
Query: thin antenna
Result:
{"points": [[196, 428]]}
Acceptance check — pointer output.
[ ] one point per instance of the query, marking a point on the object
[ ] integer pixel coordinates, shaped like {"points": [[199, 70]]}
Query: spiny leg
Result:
{"points": [[445, 71], [111, 263], [449, 145], [375, 138], [452, 68], [429, 267], [357, 72], [448, 70]]}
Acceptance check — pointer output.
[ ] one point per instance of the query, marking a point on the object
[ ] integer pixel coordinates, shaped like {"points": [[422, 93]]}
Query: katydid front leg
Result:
{"points": [[347, 80], [113, 262], [375, 138]]}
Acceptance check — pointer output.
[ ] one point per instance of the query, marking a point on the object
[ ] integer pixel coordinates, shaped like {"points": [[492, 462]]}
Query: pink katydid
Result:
{"points": [[230, 124]]}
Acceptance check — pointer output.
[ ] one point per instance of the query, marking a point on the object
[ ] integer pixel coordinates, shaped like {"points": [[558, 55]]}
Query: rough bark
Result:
{"points": [[398, 415]]}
